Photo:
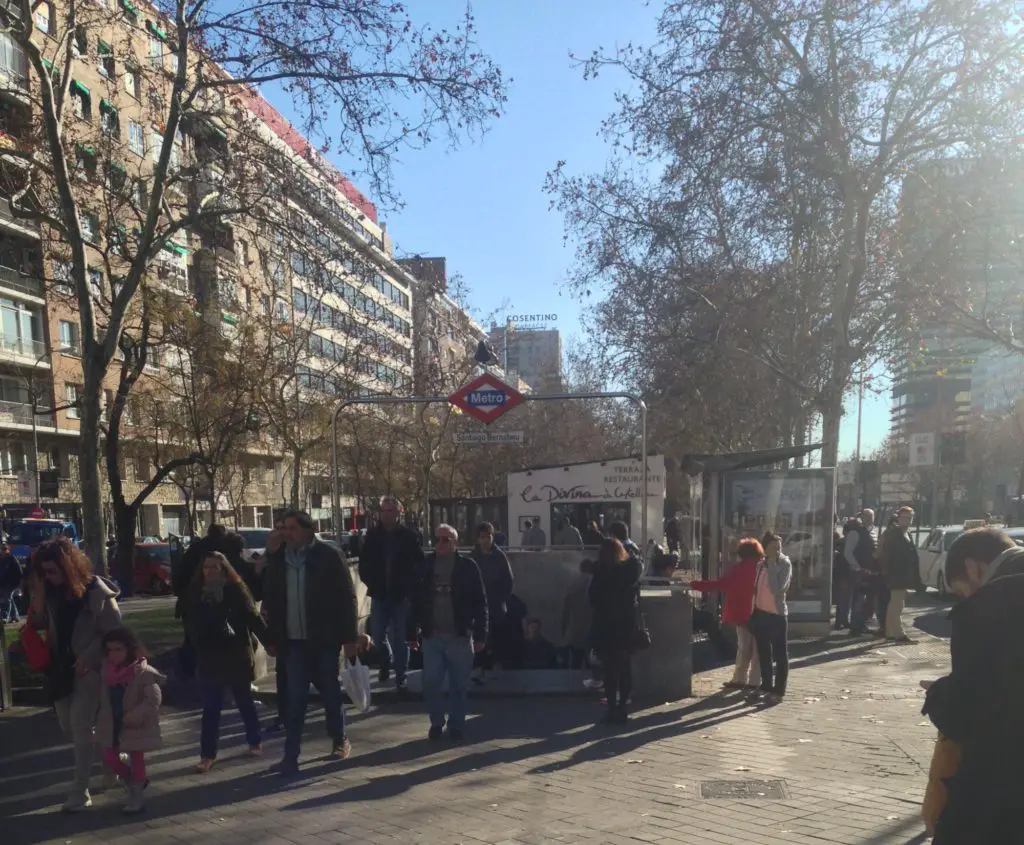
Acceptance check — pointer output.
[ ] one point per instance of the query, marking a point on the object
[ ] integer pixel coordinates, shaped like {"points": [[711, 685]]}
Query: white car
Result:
{"points": [[932, 556], [255, 542]]}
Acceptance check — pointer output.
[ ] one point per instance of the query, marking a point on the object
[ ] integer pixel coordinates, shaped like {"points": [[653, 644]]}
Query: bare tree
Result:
{"points": [[759, 164], [363, 78]]}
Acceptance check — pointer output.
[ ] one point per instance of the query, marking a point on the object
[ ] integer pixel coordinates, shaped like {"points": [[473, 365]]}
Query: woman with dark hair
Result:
{"points": [[614, 596], [221, 620], [75, 608], [768, 618]]}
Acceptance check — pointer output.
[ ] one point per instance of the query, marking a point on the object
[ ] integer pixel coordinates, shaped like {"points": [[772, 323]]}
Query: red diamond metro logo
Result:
{"points": [[486, 398]]}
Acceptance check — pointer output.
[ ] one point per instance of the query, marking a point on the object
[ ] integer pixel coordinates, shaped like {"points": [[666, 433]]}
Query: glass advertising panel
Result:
{"points": [[799, 505]]}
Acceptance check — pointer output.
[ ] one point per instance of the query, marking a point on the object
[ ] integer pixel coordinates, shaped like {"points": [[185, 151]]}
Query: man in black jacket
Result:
{"points": [[389, 565], [978, 705], [449, 608], [309, 602]]}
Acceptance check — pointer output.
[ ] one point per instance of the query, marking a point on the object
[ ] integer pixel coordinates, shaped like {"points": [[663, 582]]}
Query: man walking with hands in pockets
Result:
{"points": [[449, 608]]}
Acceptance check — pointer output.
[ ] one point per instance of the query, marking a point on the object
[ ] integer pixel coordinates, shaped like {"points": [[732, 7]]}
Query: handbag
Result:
{"points": [[641, 634], [37, 652]]}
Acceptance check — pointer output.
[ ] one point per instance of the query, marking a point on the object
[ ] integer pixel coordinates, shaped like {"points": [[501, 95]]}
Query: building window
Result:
{"points": [[141, 193], [21, 329], [108, 403], [71, 394], [90, 227], [44, 18], [95, 282], [156, 52], [62, 277], [12, 457], [81, 101], [69, 340], [85, 162], [131, 14], [133, 82], [106, 66], [110, 123], [136, 138], [156, 142], [81, 41]]}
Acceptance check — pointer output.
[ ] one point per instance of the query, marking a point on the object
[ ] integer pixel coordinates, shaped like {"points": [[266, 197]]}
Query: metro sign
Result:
{"points": [[486, 398]]}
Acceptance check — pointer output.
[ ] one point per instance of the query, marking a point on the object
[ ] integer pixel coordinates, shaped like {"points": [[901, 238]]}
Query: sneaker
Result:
{"points": [[288, 767], [435, 734], [592, 683], [342, 748], [78, 802], [135, 803], [455, 735]]}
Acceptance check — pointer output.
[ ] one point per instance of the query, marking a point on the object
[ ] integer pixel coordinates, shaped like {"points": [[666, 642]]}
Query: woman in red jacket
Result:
{"points": [[738, 587]]}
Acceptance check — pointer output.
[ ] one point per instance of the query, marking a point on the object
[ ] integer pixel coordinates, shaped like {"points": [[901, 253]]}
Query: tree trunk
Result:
{"points": [[831, 420], [93, 523], [124, 519], [211, 496], [296, 470]]}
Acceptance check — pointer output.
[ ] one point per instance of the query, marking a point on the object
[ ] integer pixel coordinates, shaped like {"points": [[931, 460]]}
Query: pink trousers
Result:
{"points": [[135, 772]]}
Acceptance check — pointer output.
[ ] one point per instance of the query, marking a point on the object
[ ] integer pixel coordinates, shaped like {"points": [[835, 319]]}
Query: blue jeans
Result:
{"points": [[451, 656], [211, 694], [304, 664], [388, 616]]}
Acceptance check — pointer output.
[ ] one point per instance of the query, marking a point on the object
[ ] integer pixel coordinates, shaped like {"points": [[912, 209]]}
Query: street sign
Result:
{"points": [[922, 450], [486, 398], [26, 485], [489, 437]]}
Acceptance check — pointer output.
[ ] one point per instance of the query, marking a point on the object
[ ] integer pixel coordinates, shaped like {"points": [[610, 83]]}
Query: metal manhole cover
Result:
{"points": [[743, 790]]}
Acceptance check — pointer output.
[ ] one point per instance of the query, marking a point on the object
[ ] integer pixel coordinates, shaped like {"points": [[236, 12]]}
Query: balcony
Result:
{"points": [[20, 414], [13, 279], [13, 66], [24, 350]]}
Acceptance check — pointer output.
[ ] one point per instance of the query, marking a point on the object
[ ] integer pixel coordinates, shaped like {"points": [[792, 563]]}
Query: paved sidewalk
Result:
{"points": [[842, 760]]}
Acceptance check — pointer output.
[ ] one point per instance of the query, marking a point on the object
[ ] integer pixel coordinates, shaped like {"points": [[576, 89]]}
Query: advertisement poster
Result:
{"points": [[799, 505]]}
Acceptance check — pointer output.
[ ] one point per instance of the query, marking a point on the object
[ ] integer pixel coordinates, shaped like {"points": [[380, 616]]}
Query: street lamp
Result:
{"points": [[34, 395]]}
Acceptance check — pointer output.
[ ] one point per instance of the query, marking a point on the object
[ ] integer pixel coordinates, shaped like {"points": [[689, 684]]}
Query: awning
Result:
{"points": [[105, 49], [128, 7], [692, 464], [115, 165], [178, 250], [78, 86], [230, 319], [159, 33], [85, 148], [108, 106], [220, 133]]}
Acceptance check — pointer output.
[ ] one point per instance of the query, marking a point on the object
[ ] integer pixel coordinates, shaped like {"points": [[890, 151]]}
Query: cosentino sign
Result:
{"points": [[522, 321]]}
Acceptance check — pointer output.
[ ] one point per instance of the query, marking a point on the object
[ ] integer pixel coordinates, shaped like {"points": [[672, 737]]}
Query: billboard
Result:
{"points": [[922, 450], [799, 505]]}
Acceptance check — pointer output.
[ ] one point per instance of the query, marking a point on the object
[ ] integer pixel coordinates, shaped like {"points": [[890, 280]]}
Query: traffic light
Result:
{"points": [[953, 449], [867, 472]]}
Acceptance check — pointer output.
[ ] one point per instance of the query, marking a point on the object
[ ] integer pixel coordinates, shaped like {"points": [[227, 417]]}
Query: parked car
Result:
{"points": [[932, 557], [151, 567], [26, 534]]}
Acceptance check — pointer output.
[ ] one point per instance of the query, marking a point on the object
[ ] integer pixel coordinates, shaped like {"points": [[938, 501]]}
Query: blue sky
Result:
{"points": [[482, 206]]}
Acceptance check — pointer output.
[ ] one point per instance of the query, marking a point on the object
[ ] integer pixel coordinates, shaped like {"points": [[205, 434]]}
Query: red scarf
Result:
{"points": [[116, 676]]}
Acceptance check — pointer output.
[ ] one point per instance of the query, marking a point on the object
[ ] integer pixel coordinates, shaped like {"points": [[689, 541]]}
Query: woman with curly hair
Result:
{"points": [[221, 621], [76, 609]]}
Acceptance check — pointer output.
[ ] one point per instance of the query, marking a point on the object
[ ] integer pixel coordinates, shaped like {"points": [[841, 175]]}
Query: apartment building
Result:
{"points": [[943, 372], [531, 350], [327, 270]]}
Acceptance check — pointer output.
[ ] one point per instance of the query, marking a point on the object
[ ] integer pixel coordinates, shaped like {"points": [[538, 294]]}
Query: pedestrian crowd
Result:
{"points": [[300, 602]]}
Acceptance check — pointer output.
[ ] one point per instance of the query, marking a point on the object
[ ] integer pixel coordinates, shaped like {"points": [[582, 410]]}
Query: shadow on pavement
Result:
{"points": [[893, 835], [594, 742]]}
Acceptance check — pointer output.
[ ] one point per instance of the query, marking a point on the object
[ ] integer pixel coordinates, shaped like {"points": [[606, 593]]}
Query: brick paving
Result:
{"points": [[848, 751]]}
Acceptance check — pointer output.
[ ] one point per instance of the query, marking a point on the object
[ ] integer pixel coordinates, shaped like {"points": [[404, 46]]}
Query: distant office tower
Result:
{"points": [[531, 350]]}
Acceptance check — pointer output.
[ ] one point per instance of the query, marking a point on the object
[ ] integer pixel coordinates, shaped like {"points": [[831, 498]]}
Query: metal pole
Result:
{"points": [[860, 417], [935, 484], [35, 454], [643, 464]]}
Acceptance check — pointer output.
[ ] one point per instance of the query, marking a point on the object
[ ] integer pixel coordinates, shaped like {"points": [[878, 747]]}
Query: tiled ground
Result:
{"points": [[849, 747]]}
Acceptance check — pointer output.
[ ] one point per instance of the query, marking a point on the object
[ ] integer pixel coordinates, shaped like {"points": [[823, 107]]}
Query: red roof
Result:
{"points": [[299, 143]]}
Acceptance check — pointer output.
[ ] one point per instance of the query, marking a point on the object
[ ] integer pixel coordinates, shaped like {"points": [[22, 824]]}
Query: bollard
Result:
{"points": [[5, 671]]}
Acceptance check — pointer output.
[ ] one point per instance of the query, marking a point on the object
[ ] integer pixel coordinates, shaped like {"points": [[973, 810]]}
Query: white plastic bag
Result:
{"points": [[355, 677]]}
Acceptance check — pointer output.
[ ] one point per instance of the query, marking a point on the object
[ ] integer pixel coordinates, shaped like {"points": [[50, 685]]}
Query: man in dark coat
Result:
{"points": [[449, 609], [10, 581], [309, 602], [979, 704], [498, 584], [899, 564], [390, 562]]}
